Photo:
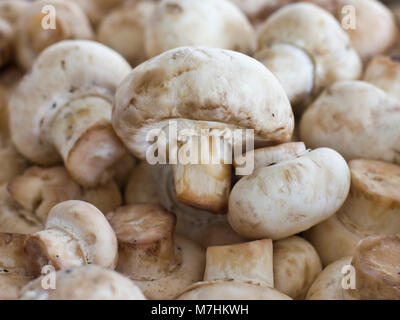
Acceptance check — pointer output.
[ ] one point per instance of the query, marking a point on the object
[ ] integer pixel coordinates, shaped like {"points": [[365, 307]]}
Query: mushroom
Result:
{"points": [[84, 283], [124, 30], [14, 270], [200, 89], [161, 264], [67, 113], [76, 233], [154, 184], [307, 50], [372, 208], [296, 265], [70, 22], [355, 118], [6, 42], [291, 196], [210, 23], [237, 272], [373, 267]]}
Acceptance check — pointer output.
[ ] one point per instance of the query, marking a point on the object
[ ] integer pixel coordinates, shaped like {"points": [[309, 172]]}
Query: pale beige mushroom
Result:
{"points": [[154, 184], [14, 269], [76, 233], [66, 114], [243, 271], [123, 30], [70, 22], [371, 274], [307, 50], [296, 265], [84, 283], [355, 118], [161, 263], [200, 88], [210, 23], [372, 208], [290, 196]]}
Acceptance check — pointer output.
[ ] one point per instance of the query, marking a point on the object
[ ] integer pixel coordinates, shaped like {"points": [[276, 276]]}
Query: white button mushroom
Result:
{"points": [[291, 196], [210, 23], [67, 113], [76, 234], [372, 208], [84, 283], [242, 271], [159, 262]]}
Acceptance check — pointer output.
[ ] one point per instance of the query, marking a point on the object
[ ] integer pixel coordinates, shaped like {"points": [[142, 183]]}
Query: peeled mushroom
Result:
{"points": [[306, 58], [372, 208], [76, 233], [290, 196], [161, 263], [66, 115], [210, 23], [237, 272], [84, 283]]}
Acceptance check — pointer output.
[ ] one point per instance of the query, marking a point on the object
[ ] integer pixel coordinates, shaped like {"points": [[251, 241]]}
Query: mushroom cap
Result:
{"points": [[355, 118], [314, 30], [209, 23], [197, 85], [11, 10], [84, 283], [85, 223], [74, 69], [296, 265], [289, 197], [231, 290], [6, 40]]}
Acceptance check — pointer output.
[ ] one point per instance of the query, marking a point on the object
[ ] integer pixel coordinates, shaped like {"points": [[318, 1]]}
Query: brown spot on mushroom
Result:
{"points": [[173, 8]]}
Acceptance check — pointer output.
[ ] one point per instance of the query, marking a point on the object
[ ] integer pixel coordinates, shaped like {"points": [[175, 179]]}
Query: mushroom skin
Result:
{"points": [[84, 283], [325, 55], [296, 265], [159, 262], [291, 196], [31, 38], [123, 30], [154, 184], [69, 111], [372, 208], [6, 42], [14, 270], [209, 23], [76, 233], [355, 118]]}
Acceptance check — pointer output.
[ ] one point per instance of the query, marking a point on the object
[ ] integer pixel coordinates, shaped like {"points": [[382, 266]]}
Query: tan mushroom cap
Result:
{"points": [[355, 118], [70, 23], [208, 23], [124, 30], [84, 283], [296, 265], [315, 31], [289, 197], [198, 86], [76, 233], [161, 264], [154, 184]]}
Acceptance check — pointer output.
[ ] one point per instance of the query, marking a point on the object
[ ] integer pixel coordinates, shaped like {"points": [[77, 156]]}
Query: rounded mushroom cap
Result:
{"points": [[197, 85], [314, 30], [355, 118], [209, 23], [289, 197], [74, 69], [84, 283], [85, 223], [377, 261], [296, 265], [231, 290]]}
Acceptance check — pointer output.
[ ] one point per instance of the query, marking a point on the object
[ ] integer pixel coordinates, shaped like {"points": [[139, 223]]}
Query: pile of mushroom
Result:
{"points": [[199, 149]]}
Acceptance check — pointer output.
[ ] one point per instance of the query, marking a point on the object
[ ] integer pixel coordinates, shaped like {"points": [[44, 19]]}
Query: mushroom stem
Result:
{"points": [[82, 133]]}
